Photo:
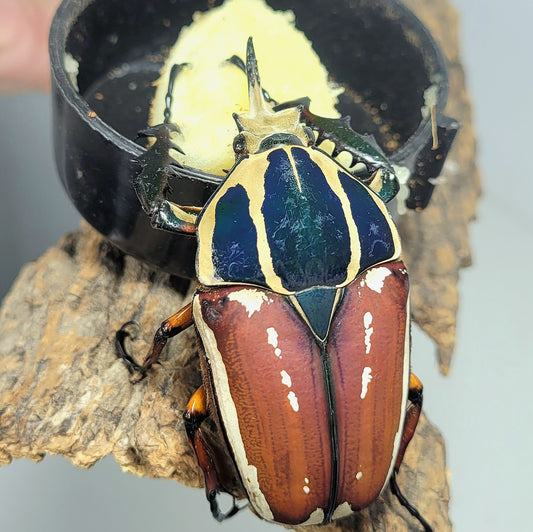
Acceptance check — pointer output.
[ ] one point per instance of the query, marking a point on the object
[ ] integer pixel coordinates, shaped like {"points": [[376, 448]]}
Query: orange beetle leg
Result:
{"points": [[194, 415], [169, 328], [411, 420], [411, 416]]}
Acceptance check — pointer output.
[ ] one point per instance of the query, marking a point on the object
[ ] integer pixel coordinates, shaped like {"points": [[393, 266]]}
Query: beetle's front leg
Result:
{"points": [[169, 328], [194, 416], [175, 218], [412, 415], [152, 183]]}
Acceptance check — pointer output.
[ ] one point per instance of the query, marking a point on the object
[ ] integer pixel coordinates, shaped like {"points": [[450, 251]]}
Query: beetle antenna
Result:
{"points": [[175, 70]]}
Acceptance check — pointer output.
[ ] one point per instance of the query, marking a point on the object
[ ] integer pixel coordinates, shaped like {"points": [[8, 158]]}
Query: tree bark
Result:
{"points": [[64, 391], [435, 241]]}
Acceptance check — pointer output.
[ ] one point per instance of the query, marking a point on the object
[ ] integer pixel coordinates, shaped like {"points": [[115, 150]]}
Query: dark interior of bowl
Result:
{"points": [[365, 46], [376, 49]]}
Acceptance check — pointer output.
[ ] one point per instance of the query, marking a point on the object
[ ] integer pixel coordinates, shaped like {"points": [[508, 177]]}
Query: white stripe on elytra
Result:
{"points": [[366, 377], [228, 413], [272, 339], [251, 299], [405, 391], [375, 278], [367, 322]]}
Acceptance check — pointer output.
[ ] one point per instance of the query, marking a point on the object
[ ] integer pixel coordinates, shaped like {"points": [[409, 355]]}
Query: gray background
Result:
{"points": [[484, 408]]}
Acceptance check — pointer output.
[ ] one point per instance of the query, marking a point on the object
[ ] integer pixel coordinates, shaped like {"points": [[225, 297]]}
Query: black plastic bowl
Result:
{"points": [[376, 48]]}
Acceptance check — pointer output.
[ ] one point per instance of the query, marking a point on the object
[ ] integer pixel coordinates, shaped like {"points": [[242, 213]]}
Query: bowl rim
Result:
{"points": [[69, 10]]}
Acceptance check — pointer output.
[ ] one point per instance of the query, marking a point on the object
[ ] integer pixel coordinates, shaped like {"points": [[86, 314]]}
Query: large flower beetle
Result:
{"points": [[302, 311]]}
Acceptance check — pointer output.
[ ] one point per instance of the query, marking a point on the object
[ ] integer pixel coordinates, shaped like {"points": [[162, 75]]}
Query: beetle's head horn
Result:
{"points": [[261, 122], [256, 97]]}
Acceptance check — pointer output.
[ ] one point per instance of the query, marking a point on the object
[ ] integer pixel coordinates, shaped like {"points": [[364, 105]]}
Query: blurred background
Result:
{"points": [[484, 408]]}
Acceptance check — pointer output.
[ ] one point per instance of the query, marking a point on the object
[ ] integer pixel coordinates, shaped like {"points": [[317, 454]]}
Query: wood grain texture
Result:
{"points": [[62, 390]]}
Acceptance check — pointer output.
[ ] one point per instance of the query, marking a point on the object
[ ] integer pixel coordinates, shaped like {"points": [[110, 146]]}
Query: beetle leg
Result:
{"points": [[194, 415], [152, 183], [412, 415], [169, 328], [174, 218], [406, 504]]}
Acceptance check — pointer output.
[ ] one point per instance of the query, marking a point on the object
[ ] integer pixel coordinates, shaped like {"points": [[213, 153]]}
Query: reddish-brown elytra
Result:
{"points": [[302, 312], [268, 362]]}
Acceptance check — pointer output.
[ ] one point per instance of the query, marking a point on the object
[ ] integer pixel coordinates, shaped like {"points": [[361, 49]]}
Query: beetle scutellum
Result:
{"points": [[302, 311]]}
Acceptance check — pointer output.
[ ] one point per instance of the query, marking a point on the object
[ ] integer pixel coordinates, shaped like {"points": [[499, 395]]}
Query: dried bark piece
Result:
{"points": [[63, 390], [435, 241]]}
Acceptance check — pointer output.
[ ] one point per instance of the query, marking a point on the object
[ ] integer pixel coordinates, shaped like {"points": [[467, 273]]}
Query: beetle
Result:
{"points": [[302, 312]]}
